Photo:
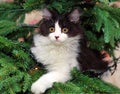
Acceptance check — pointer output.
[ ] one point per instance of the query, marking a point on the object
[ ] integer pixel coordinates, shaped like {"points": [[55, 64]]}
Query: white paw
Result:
{"points": [[39, 87]]}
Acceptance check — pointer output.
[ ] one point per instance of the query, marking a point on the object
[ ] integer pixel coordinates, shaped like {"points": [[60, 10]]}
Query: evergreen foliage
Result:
{"points": [[18, 69], [81, 84]]}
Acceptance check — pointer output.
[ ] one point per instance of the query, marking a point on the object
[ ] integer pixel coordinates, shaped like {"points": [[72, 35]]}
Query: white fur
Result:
{"points": [[58, 57]]}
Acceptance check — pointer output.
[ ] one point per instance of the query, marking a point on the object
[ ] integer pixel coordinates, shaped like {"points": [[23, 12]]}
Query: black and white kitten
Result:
{"points": [[58, 46]]}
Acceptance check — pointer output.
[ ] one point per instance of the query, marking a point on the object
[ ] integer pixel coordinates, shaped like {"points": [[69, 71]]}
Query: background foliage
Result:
{"points": [[18, 69]]}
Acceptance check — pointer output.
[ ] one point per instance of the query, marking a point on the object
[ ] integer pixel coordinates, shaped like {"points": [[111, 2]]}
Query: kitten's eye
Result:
{"points": [[65, 30], [51, 29]]}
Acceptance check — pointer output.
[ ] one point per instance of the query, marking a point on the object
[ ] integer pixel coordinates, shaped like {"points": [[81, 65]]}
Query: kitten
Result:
{"points": [[60, 46]]}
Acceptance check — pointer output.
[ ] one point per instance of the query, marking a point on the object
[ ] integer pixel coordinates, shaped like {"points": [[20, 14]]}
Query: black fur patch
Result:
{"points": [[88, 59]]}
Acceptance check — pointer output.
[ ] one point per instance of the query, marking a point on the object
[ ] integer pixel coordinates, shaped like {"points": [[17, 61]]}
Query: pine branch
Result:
{"points": [[11, 11], [18, 69], [93, 84], [7, 27], [33, 4], [83, 84], [14, 77]]}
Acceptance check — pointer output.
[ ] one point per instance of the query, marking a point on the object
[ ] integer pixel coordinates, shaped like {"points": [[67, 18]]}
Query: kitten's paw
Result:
{"points": [[40, 86], [37, 88]]}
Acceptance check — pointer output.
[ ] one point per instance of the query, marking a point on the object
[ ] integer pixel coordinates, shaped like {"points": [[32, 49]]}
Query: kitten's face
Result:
{"points": [[59, 28], [58, 33]]}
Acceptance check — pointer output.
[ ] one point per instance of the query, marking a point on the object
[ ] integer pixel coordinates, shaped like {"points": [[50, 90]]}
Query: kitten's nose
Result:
{"points": [[56, 37]]}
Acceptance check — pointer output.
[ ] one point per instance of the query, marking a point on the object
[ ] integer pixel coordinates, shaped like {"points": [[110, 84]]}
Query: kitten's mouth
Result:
{"points": [[58, 41]]}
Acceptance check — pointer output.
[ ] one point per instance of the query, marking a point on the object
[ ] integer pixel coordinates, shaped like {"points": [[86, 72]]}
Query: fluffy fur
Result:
{"points": [[57, 54], [55, 57], [61, 48]]}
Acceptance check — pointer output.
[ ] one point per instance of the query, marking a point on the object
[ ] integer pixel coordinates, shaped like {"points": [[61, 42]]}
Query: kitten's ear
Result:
{"points": [[46, 14], [74, 15]]}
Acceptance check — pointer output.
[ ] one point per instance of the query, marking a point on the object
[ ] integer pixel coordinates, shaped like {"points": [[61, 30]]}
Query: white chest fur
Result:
{"points": [[56, 55]]}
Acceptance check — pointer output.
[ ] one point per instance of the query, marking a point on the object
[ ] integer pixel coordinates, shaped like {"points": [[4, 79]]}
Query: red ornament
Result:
{"points": [[106, 56]]}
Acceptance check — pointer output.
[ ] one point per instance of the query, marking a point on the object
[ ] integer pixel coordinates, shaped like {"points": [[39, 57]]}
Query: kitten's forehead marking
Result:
{"points": [[57, 29]]}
